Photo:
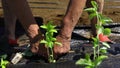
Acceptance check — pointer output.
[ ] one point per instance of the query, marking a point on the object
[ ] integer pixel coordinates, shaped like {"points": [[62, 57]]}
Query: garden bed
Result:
{"points": [[80, 45]]}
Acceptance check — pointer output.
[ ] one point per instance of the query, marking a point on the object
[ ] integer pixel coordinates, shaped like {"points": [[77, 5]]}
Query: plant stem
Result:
{"points": [[51, 58], [98, 51], [94, 53], [48, 52], [52, 55]]}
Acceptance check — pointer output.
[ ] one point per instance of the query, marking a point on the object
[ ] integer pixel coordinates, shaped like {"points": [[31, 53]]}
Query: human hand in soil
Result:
{"points": [[38, 48], [60, 50]]}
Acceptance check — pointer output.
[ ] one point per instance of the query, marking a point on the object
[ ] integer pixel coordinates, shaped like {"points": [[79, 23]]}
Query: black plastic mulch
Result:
{"points": [[80, 45]]}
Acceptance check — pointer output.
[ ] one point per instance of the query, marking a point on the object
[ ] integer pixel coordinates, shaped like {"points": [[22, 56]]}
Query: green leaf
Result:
{"points": [[1, 61], [106, 44], [94, 4], [50, 44], [83, 62], [107, 31], [106, 19], [100, 30], [80, 62], [95, 42], [58, 43], [43, 26], [103, 49], [51, 27], [87, 57], [5, 62], [3, 66], [89, 66], [98, 26], [91, 10], [92, 15], [53, 30], [100, 59], [53, 39], [43, 41], [87, 61], [101, 19]]}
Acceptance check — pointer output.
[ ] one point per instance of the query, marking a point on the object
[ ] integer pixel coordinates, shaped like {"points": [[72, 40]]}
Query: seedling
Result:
{"points": [[3, 62], [49, 40], [100, 44]]}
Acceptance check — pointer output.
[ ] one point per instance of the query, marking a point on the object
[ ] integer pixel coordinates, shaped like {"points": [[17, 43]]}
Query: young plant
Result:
{"points": [[3, 62], [100, 44], [49, 40]]}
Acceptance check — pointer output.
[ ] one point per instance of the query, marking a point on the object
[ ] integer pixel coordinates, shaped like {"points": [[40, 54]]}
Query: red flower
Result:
{"points": [[104, 38]]}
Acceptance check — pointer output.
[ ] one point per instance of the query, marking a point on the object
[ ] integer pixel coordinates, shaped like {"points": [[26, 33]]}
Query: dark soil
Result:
{"points": [[80, 45]]}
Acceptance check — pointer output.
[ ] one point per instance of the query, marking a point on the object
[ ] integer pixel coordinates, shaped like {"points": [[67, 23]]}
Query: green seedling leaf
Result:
{"points": [[3, 63], [87, 57], [87, 62], [58, 43], [92, 15], [53, 39], [108, 20], [90, 10], [95, 42], [98, 26], [99, 59], [88, 67], [107, 31], [95, 5], [50, 44], [100, 29], [84, 62], [103, 49], [43, 26], [50, 27], [53, 30], [81, 62], [105, 19], [3, 67], [106, 44], [43, 41]]}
